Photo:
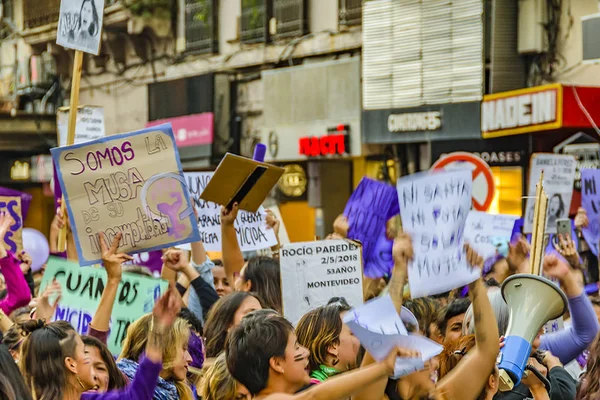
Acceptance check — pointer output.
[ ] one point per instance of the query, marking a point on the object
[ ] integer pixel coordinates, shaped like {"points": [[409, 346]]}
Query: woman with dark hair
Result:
{"points": [[556, 209], [261, 275], [107, 374], [89, 20], [10, 371], [227, 312]]}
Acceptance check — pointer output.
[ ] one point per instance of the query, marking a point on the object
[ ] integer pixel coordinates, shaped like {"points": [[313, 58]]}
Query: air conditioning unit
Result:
{"points": [[590, 29], [532, 18]]}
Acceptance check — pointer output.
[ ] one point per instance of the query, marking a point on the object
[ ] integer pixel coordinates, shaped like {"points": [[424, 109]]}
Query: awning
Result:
{"points": [[540, 108]]}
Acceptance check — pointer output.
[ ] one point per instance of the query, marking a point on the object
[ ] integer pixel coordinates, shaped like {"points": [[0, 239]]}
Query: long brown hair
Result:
{"points": [[590, 381], [174, 339], [42, 361], [217, 383]]}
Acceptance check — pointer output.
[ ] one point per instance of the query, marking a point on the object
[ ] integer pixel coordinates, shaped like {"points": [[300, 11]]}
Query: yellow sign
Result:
{"points": [[293, 182], [20, 171], [522, 111]]}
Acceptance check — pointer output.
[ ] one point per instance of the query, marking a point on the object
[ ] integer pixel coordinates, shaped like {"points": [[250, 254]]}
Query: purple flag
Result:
{"points": [[150, 259], [590, 201], [369, 208], [25, 199]]}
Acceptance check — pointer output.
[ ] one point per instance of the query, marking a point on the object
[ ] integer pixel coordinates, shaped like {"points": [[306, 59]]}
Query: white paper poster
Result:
{"points": [[559, 177], [380, 330], [434, 208], [483, 229], [80, 25], [314, 272], [251, 228], [89, 126]]}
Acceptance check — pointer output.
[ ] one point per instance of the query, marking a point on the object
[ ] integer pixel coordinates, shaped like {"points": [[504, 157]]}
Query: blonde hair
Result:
{"points": [[174, 339], [217, 383]]}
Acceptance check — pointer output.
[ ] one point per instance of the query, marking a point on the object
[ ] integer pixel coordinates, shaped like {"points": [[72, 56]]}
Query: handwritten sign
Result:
{"points": [[81, 292], [251, 228], [380, 330], [130, 183], [89, 126], [314, 272], [559, 176], [434, 209], [13, 240], [368, 210], [483, 230], [80, 25], [590, 201]]}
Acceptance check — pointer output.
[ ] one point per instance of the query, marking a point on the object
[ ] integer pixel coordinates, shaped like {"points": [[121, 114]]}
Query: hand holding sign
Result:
{"points": [[399, 352], [112, 260], [228, 216], [403, 249], [5, 222]]}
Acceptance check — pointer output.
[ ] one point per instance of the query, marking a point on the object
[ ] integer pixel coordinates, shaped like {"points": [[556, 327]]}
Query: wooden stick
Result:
{"points": [[539, 227], [73, 106]]}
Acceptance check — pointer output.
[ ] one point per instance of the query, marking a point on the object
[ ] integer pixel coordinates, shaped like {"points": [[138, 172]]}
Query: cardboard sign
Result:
{"points": [[482, 231], [559, 176], [590, 201], [81, 292], [434, 208], [80, 25], [13, 240], [130, 183], [314, 272], [251, 228], [368, 211], [90, 124], [241, 180]]}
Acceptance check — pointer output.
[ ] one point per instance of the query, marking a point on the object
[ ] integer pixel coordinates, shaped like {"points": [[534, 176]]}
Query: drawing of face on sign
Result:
{"points": [[165, 195]]}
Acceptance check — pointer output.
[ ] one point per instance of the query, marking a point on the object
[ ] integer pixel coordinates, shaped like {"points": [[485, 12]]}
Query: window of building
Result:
{"points": [[38, 13], [201, 26], [255, 21], [350, 12], [266, 20]]}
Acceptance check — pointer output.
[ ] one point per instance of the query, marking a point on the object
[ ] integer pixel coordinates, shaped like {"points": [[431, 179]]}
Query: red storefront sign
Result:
{"points": [[335, 143]]}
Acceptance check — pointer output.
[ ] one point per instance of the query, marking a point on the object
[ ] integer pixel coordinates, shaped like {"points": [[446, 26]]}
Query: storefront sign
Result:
{"points": [[20, 171], [190, 130], [414, 122], [335, 143], [498, 152], [524, 112]]}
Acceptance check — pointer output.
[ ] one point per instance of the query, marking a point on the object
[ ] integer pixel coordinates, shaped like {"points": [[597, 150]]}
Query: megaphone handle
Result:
{"points": [[541, 377]]}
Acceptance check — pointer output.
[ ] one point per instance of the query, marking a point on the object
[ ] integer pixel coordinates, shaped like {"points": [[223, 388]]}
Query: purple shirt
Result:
{"points": [[142, 387]]}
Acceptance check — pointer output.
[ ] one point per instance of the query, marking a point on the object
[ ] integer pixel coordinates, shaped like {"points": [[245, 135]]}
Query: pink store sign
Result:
{"points": [[190, 130]]}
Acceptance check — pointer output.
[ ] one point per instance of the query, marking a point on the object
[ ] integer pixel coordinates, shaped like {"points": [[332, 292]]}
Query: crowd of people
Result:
{"points": [[218, 332]]}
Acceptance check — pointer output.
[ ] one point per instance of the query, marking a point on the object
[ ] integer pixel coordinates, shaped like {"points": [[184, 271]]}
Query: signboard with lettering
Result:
{"points": [[314, 272], [13, 240], [336, 142], [190, 130], [130, 183], [89, 126], [414, 122], [81, 296], [521, 111]]}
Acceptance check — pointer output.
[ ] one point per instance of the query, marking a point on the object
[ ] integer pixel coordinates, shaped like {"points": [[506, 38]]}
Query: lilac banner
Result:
{"points": [[590, 201], [25, 199], [371, 205], [149, 259]]}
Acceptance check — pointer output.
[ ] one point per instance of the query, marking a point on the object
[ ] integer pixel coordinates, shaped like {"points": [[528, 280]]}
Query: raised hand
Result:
{"points": [[25, 261], [228, 216], [5, 222], [556, 268], [166, 309], [110, 258], [273, 222], [174, 260], [390, 360], [403, 249], [517, 255], [473, 258], [581, 219], [341, 226], [43, 308], [568, 250]]}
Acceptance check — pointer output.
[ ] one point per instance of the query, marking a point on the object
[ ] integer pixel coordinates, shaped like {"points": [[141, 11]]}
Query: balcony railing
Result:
{"points": [[255, 21], [37, 13], [200, 26], [291, 17], [350, 12]]}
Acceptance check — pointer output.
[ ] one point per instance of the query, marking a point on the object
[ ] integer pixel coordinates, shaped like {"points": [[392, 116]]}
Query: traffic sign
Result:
{"points": [[483, 178]]}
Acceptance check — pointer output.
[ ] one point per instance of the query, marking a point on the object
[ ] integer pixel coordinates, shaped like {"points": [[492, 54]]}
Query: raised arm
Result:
{"points": [[467, 380], [112, 262], [18, 294], [233, 259]]}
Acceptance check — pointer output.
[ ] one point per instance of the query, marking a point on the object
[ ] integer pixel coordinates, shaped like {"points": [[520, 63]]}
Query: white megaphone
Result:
{"points": [[532, 301]]}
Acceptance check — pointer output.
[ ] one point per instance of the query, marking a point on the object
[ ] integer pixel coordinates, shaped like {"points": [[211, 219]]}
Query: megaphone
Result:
{"points": [[532, 301]]}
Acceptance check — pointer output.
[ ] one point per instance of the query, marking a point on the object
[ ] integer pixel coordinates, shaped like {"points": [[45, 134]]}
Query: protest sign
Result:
{"points": [[482, 231], [314, 272], [283, 236], [380, 330], [80, 25], [559, 175], [130, 183], [25, 199], [90, 124], [434, 208], [251, 228], [368, 211], [81, 292], [13, 240], [590, 201]]}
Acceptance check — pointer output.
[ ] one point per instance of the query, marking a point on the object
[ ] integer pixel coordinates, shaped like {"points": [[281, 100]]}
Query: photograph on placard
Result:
{"points": [[80, 25]]}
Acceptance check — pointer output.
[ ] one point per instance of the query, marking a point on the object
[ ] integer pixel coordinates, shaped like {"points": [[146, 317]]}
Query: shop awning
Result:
{"points": [[539, 109]]}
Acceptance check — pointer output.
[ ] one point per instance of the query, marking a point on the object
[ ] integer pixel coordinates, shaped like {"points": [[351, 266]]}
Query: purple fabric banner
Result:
{"points": [[369, 208], [25, 199], [149, 259], [57, 189], [590, 201]]}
